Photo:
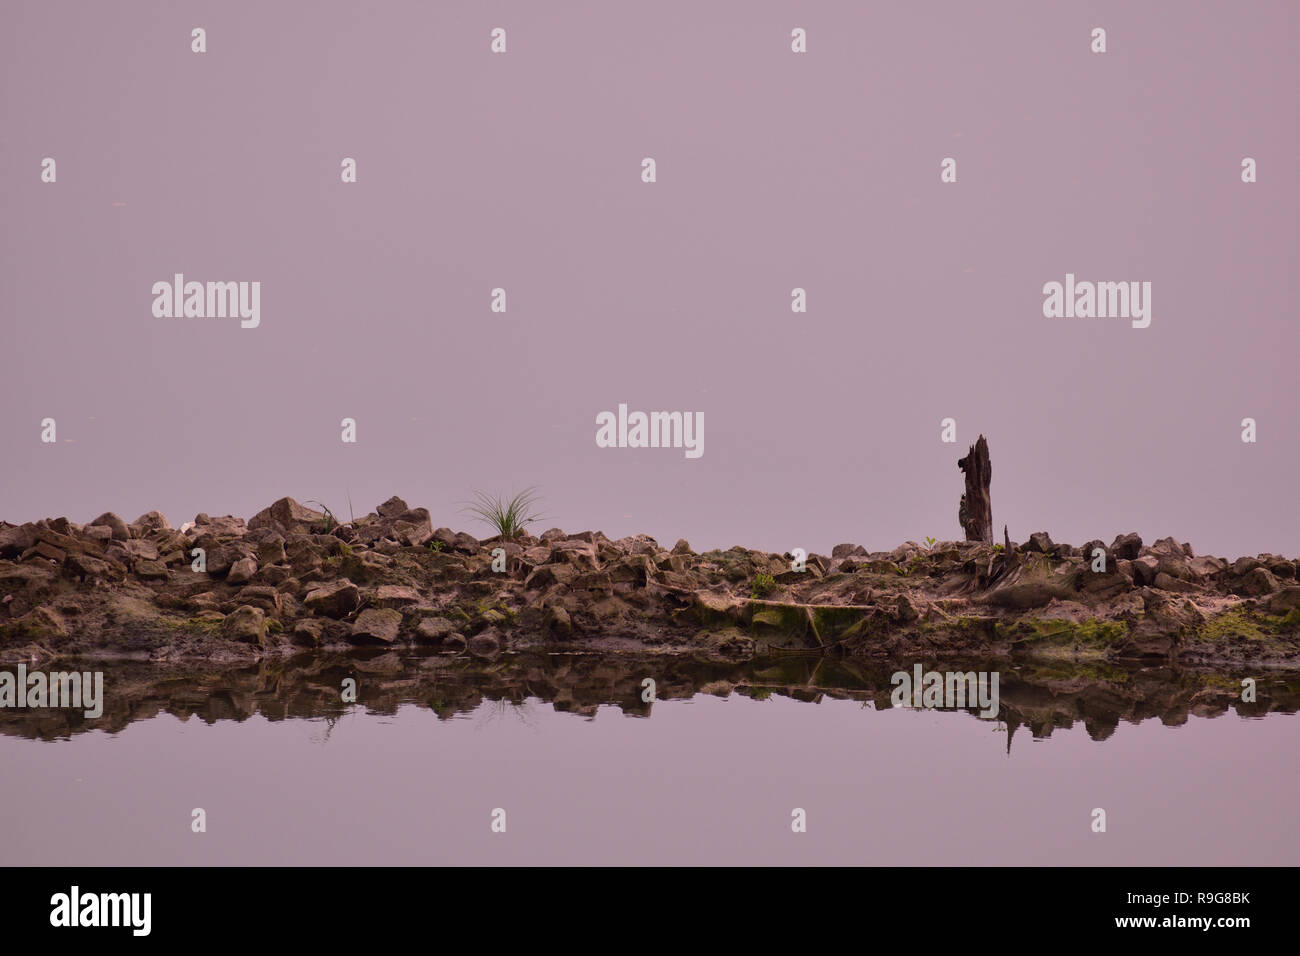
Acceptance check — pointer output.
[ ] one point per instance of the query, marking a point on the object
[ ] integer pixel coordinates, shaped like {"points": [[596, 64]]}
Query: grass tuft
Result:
{"points": [[508, 517]]}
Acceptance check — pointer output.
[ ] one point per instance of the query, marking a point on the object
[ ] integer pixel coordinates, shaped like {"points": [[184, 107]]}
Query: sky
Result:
{"points": [[774, 170]]}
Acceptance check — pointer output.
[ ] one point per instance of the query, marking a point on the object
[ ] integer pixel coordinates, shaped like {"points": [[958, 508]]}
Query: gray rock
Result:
{"points": [[377, 624]]}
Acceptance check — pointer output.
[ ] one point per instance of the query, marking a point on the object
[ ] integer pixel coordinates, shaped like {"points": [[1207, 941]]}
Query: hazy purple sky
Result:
{"points": [[775, 170]]}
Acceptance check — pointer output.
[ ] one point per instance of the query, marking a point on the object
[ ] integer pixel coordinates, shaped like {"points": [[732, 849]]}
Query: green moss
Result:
{"points": [[1249, 623], [1093, 632], [763, 584]]}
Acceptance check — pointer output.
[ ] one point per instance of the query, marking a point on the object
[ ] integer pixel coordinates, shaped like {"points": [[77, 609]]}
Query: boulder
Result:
{"points": [[392, 508], [1040, 542], [377, 624], [152, 521], [288, 517], [334, 599], [245, 623], [1127, 546], [432, 630], [486, 644], [114, 524]]}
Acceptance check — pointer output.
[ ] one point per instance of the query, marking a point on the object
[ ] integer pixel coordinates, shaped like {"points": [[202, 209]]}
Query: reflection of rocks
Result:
{"points": [[1041, 697], [293, 577]]}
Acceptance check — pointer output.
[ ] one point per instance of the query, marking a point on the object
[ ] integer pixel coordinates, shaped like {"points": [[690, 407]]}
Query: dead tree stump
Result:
{"points": [[976, 510]]}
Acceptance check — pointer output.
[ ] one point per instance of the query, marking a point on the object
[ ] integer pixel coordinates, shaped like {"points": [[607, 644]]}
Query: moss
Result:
{"points": [[763, 584], [1249, 623]]}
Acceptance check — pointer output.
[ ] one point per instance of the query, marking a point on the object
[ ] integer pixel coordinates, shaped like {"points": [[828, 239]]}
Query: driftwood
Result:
{"points": [[976, 510]]}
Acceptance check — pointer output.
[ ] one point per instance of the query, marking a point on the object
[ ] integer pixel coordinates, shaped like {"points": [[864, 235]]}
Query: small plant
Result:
{"points": [[999, 548], [507, 517], [930, 543], [437, 545], [763, 584], [330, 520]]}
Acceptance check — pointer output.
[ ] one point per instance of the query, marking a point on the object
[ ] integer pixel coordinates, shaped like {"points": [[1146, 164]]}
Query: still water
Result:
{"points": [[709, 773]]}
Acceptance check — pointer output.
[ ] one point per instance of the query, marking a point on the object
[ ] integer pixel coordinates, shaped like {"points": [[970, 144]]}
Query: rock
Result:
{"points": [[99, 533], [847, 550], [682, 547], [1244, 565], [227, 526], [537, 555], [287, 517], [558, 620], [1168, 546], [432, 630], [1041, 543], [1287, 599], [1257, 583], [141, 548], [730, 644], [46, 550], [549, 575], [152, 521], [1205, 566], [307, 632], [150, 570], [1145, 568], [245, 623], [335, 599], [486, 644], [1128, 546], [395, 596], [15, 540], [114, 524], [466, 543], [241, 571], [393, 507], [377, 624], [454, 641], [1087, 551]]}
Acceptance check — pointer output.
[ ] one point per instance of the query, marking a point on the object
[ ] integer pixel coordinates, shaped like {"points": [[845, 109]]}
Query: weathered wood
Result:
{"points": [[976, 510]]}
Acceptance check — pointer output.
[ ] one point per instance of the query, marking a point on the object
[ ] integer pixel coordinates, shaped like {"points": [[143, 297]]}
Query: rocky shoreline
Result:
{"points": [[291, 578]]}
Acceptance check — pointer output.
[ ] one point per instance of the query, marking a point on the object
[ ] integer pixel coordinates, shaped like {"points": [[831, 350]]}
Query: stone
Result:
{"points": [[392, 508], [242, 571], [847, 550], [1127, 546], [1040, 542], [335, 599], [307, 632], [1257, 583], [114, 524], [395, 596], [148, 570], [486, 644], [1145, 568], [432, 630], [377, 624], [152, 521], [245, 623], [549, 575], [288, 517]]}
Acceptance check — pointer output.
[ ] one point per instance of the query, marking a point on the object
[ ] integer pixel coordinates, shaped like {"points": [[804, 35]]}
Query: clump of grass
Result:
{"points": [[330, 520], [508, 517], [763, 584]]}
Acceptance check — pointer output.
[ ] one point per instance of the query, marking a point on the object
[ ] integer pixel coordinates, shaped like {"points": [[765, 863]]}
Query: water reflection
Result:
{"points": [[1037, 697]]}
